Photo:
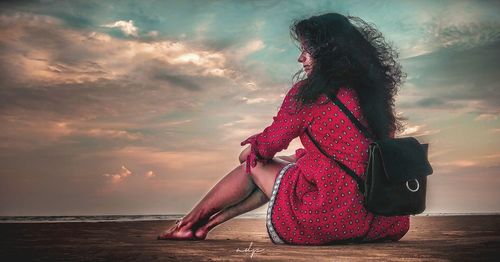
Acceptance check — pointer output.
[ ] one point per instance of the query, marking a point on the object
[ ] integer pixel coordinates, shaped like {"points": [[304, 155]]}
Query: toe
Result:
{"points": [[201, 233], [177, 235]]}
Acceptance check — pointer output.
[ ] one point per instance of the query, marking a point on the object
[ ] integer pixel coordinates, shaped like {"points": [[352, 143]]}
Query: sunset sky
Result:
{"points": [[139, 107]]}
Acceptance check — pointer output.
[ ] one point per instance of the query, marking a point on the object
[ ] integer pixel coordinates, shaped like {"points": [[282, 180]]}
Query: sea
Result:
{"points": [[128, 218], [102, 218]]}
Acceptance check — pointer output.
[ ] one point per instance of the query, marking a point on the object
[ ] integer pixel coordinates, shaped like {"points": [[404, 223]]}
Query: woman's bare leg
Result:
{"points": [[256, 199], [230, 190], [234, 188]]}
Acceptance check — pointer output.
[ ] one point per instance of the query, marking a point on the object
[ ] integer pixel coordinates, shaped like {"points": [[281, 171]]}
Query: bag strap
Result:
{"points": [[349, 171], [348, 113], [358, 124]]}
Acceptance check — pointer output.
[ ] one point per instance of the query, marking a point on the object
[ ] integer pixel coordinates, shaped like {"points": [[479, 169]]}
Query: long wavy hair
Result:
{"points": [[348, 51]]}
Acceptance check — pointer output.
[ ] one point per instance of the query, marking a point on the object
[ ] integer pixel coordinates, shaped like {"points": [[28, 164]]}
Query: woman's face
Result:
{"points": [[306, 59]]}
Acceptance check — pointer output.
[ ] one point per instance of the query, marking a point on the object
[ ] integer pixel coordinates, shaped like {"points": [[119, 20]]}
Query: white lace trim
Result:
{"points": [[270, 229]]}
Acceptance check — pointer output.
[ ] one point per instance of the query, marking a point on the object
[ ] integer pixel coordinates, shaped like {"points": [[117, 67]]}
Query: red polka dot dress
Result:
{"points": [[314, 201]]}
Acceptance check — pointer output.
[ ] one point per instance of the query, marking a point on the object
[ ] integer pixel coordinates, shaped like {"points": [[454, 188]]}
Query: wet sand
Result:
{"points": [[445, 238]]}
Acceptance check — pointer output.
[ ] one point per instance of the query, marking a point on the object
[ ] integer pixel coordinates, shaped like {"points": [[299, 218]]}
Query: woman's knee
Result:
{"points": [[269, 168], [243, 167], [264, 168]]}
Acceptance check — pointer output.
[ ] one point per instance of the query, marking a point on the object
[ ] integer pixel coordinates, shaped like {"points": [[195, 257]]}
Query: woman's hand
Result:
{"points": [[244, 154]]}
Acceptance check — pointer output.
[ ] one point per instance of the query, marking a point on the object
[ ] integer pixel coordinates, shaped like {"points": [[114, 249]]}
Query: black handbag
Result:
{"points": [[396, 175]]}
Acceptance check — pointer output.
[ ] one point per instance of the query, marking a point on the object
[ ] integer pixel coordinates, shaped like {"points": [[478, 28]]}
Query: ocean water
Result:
{"points": [[101, 218], [125, 218]]}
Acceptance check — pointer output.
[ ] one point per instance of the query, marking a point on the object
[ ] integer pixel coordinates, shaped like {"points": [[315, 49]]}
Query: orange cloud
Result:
{"points": [[177, 160], [96, 55], [150, 174], [120, 176], [486, 117]]}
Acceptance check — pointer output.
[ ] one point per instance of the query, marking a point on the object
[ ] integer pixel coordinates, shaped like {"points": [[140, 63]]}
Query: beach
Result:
{"points": [[431, 238]]}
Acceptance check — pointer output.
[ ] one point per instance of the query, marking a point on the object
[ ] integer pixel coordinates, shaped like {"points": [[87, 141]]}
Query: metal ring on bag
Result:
{"points": [[413, 190]]}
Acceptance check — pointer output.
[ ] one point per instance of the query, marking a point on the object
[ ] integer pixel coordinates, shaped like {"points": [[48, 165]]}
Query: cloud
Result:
{"points": [[153, 33], [459, 163], [449, 161], [40, 49], [171, 159], [491, 156], [180, 122], [461, 25], [248, 48], [243, 121], [486, 117], [251, 86], [241, 128], [256, 100], [466, 36], [458, 81], [177, 80], [63, 86], [120, 176], [452, 65], [481, 161], [444, 33], [494, 130], [430, 102], [23, 132], [127, 27], [19, 133], [150, 174], [418, 130], [107, 133]]}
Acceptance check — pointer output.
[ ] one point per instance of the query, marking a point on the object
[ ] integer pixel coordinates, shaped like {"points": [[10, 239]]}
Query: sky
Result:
{"points": [[139, 107]]}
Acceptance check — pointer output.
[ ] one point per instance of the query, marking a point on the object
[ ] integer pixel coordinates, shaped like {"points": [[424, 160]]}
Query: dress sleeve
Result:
{"points": [[289, 123], [300, 153]]}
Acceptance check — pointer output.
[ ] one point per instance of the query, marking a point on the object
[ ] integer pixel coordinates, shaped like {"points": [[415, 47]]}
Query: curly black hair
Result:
{"points": [[350, 52]]}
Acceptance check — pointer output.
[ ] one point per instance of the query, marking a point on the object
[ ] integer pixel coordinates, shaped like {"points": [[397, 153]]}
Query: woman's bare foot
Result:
{"points": [[202, 232], [256, 199], [222, 216], [179, 231]]}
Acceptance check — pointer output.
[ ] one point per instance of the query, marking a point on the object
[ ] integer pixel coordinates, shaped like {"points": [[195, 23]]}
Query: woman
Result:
{"points": [[312, 201]]}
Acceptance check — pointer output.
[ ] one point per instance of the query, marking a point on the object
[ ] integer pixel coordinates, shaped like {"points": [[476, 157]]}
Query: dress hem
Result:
{"points": [[270, 228]]}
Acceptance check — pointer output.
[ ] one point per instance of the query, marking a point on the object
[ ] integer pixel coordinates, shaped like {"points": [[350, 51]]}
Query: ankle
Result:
{"points": [[185, 222], [194, 219]]}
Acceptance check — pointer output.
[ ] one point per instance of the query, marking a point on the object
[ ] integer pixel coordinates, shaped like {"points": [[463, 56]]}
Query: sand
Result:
{"points": [[441, 238]]}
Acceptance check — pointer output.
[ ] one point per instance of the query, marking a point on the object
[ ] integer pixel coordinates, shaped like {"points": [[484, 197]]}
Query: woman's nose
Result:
{"points": [[301, 58]]}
